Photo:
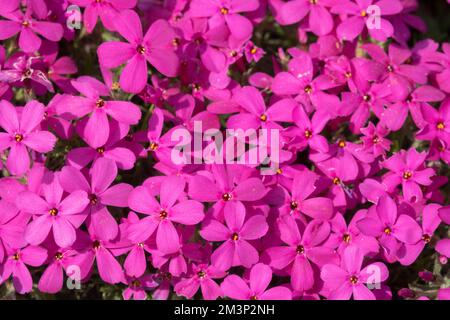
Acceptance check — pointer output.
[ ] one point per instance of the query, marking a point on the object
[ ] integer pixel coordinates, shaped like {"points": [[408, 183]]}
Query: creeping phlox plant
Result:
{"points": [[223, 149]]}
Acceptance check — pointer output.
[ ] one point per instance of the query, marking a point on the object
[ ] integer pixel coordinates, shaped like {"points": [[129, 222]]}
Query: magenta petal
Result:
{"points": [[240, 27], [188, 212], [343, 292], [260, 277], [49, 30], [103, 173], [123, 111], [235, 288], [40, 141], [246, 253], [318, 208], [18, 161], [222, 257], [128, 24], [8, 117], [171, 189], [167, 237], [38, 205], [333, 275], [250, 190], [117, 195], [52, 279], [141, 200], [109, 269], [63, 232], [29, 41], [254, 228], [8, 29], [134, 75], [141, 231], [280, 257], [370, 227], [320, 20], [203, 189], [215, 231], [96, 131], [277, 293], [407, 230], [74, 203], [38, 229], [361, 292], [302, 277], [104, 225], [34, 256], [113, 54], [135, 263], [23, 283], [350, 28]]}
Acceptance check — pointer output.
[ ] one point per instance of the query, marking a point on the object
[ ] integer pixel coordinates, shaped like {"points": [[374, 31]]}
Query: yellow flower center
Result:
{"points": [[407, 175], [426, 238], [294, 205], [227, 197], [234, 237], [100, 103], [224, 11], [308, 134], [346, 238], [300, 249], [163, 214], [308, 89], [153, 146], [353, 279], [263, 118], [53, 212], [140, 49], [18, 137], [440, 126]]}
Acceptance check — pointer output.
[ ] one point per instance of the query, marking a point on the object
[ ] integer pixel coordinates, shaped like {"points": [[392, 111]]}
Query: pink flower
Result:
{"points": [[235, 249], [162, 214], [256, 114], [303, 201], [137, 287], [16, 266], [97, 129], [407, 168], [52, 278], [260, 276], [390, 226], [320, 20], [349, 279], [93, 249], [201, 277], [107, 10], [360, 15], [226, 185], [222, 12], [156, 47], [53, 213], [301, 250], [100, 194], [22, 132], [28, 27], [437, 123]]}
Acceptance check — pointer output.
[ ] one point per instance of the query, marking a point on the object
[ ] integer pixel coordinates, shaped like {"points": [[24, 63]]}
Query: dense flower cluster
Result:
{"points": [[90, 192]]}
